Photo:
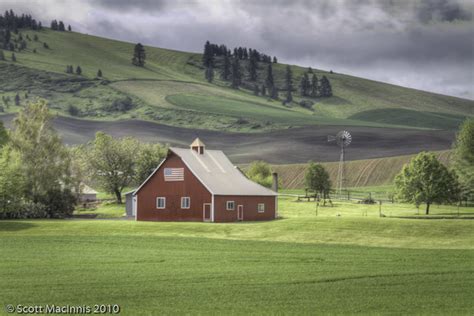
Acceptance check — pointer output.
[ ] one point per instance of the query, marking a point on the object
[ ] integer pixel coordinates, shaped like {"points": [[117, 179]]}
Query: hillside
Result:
{"points": [[359, 173], [171, 90]]}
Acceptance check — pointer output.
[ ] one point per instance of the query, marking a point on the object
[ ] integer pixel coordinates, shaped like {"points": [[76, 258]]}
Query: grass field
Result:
{"points": [[301, 264], [171, 89]]}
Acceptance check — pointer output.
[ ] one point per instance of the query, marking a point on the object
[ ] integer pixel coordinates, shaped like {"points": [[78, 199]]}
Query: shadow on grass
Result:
{"points": [[10, 225]]}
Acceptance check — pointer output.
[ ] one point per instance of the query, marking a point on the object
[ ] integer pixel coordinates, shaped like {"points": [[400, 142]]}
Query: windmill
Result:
{"points": [[342, 139]]}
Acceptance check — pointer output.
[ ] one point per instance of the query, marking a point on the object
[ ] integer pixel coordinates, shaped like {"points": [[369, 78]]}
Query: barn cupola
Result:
{"points": [[198, 146]]}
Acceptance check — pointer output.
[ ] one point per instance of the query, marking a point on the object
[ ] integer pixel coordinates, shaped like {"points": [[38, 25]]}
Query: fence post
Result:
{"points": [[317, 206], [380, 208]]}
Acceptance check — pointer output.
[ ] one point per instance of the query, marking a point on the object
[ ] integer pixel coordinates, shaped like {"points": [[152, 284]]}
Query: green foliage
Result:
{"points": [[73, 110], [317, 179], [11, 183], [426, 180], [45, 163], [260, 172], [148, 158], [464, 158], [236, 75], [289, 84], [120, 105], [3, 135], [111, 162], [210, 73], [139, 55]]}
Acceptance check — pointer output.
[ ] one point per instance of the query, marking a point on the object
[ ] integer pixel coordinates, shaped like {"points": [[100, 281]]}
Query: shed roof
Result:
{"points": [[218, 174]]}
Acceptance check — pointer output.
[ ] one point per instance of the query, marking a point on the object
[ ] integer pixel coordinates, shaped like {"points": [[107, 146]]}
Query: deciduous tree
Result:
{"points": [[317, 179], [464, 157]]}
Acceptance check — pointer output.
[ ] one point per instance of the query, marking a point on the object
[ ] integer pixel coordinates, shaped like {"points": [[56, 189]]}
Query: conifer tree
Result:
{"points": [[61, 26], [35, 38], [207, 57], [226, 68], [69, 28], [99, 73], [275, 60], [17, 99], [326, 89], [304, 85], [253, 68], [139, 55], [13, 57], [210, 73], [289, 85], [236, 74], [264, 90], [256, 90], [310, 70], [78, 70], [54, 25], [314, 86], [2, 55], [45, 45], [269, 81]]}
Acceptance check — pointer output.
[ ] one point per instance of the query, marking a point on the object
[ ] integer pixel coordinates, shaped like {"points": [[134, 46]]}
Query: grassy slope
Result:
{"points": [[172, 83], [296, 265], [359, 173]]}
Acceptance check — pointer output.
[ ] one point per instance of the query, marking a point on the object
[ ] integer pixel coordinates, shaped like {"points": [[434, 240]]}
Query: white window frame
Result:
{"points": [[261, 207], [184, 198], [164, 202], [230, 208]]}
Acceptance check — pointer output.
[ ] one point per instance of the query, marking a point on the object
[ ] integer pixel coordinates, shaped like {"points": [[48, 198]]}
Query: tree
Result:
{"points": [[260, 172], [289, 84], [208, 55], [210, 73], [17, 99], [2, 55], [99, 73], [426, 180], [314, 86], [69, 28], [45, 162], [256, 90], [45, 45], [464, 157], [317, 180], [236, 75], [148, 158], [325, 89], [139, 55], [111, 162], [54, 25], [270, 83], [61, 26], [252, 68], [305, 85], [275, 60], [13, 57], [226, 68], [264, 90], [11, 183], [78, 70]]}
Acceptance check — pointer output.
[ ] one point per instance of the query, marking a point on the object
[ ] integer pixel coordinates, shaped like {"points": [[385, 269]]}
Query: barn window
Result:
{"points": [[185, 202], [230, 205], [160, 202], [261, 207]]}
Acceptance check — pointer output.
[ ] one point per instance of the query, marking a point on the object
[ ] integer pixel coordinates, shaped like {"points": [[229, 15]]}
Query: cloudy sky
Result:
{"points": [[423, 44]]}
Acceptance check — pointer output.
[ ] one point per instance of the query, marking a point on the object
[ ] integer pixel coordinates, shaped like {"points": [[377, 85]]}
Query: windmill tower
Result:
{"points": [[343, 139]]}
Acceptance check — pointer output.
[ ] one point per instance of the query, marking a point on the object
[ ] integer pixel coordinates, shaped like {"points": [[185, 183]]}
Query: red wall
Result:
{"points": [[173, 191], [250, 208]]}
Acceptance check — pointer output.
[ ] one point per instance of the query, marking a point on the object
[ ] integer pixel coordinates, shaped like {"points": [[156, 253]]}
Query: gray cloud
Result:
{"points": [[424, 44]]}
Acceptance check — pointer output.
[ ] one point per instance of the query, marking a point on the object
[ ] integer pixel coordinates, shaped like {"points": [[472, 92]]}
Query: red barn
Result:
{"points": [[197, 184]]}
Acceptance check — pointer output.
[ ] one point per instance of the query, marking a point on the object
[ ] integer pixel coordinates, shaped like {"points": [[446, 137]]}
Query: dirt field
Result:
{"points": [[296, 145]]}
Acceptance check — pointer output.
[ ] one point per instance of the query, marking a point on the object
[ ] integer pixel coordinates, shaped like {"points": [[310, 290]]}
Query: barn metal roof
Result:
{"points": [[218, 174]]}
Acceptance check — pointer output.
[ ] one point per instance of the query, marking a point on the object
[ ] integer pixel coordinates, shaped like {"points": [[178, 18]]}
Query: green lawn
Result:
{"points": [[301, 264]]}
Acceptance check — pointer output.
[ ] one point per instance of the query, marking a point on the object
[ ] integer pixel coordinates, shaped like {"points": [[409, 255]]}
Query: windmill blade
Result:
{"points": [[331, 138]]}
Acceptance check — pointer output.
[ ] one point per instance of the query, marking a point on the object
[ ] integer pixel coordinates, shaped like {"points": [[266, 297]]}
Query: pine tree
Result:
{"points": [[314, 86], [139, 55], [264, 90], [17, 99], [269, 80], [2, 55], [61, 26], [226, 68], [210, 73], [69, 28], [35, 38], [310, 70], [304, 85], [326, 89], [236, 74], [13, 57], [78, 70], [275, 60], [274, 93], [45, 45], [289, 85], [207, 57], [99, 73], [253, 68], [54, 25]]}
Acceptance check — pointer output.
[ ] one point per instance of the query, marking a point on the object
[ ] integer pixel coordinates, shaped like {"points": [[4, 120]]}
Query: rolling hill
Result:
{"points": [[171, 90]]}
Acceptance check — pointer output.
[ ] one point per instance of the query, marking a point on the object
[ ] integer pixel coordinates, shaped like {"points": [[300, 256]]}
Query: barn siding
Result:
{"points": [[250, 208], [173, 191]]}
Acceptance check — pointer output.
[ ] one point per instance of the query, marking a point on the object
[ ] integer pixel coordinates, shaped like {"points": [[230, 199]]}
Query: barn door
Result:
{"points": [[206, 212], [240, 212]]}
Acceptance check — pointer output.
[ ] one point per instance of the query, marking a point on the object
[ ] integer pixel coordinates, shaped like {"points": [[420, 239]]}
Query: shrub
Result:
{"points": [[73, 110], [308, 104], [120, 105]]}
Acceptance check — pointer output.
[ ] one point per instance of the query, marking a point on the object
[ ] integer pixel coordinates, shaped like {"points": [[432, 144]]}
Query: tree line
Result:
{"points": [[40, 177]]}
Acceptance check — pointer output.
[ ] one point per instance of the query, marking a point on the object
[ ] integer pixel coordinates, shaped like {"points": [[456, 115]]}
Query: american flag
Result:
{"points": [[174, 174]]}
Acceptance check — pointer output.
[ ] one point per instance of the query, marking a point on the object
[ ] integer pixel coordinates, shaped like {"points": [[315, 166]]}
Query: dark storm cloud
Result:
{"points": [[424, 44]]}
